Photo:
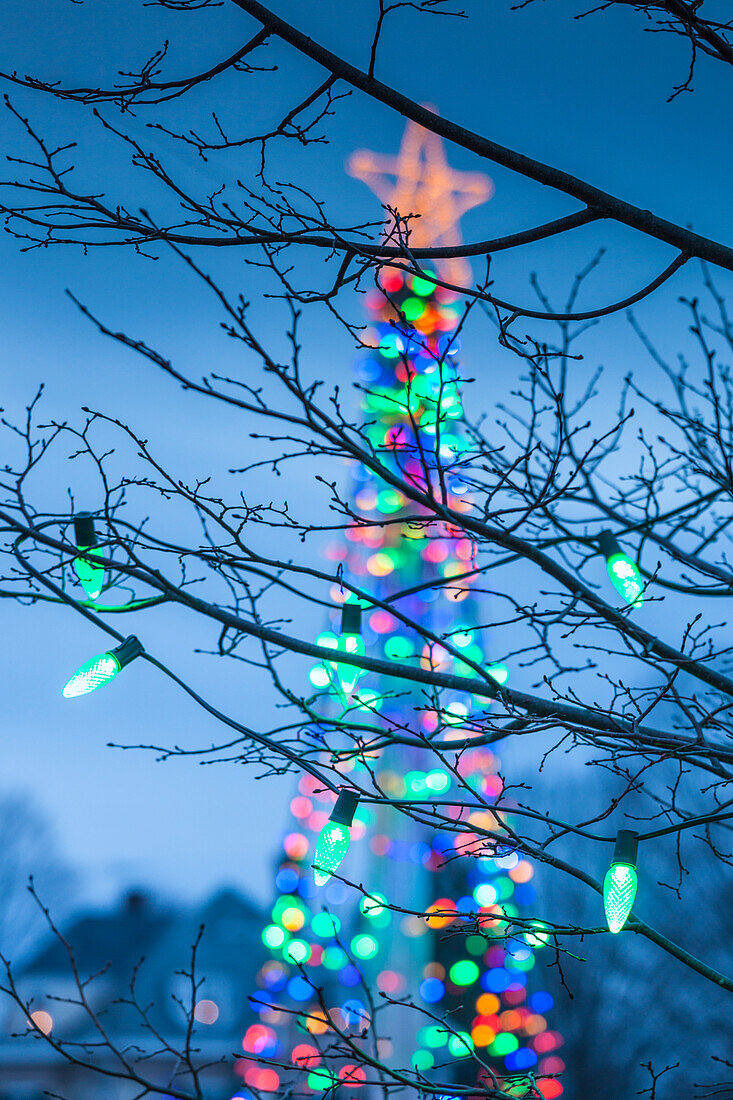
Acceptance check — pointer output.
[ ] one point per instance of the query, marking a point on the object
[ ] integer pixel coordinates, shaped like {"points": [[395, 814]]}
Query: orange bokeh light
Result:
{"points": [[441, 913]]}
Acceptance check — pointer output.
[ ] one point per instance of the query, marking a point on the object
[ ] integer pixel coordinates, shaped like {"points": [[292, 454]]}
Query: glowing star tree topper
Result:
{"points": [[622, 570], [335, 837], [99, 670], [619, 885], [90, 573]]}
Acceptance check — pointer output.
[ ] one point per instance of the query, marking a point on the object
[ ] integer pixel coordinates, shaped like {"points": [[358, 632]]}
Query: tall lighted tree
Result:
{"points": [[332, 947]]}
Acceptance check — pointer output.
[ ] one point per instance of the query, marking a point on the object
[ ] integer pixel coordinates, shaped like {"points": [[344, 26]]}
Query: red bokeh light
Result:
{"points": [[353, 1075]]}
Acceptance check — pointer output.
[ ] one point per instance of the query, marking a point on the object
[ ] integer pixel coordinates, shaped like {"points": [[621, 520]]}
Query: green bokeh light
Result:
{"points": [[504, 888], [364, 946], [520, 964], [464, 972], [286, 901], [485, 894], [460, 1045], [423, 287], [274, 936], [398, 648], [297, 951], [325, 925], [476, 945], [422, 1060], [373, 905], [503, 1044], [538, 938], [320, 1080], [415, 782], [433, 1036], [438, 781], [412, 308], [334, 957], [498, 672]]}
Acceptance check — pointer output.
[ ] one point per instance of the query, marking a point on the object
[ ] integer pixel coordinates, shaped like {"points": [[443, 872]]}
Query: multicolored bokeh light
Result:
{"points": [[485, 983]]}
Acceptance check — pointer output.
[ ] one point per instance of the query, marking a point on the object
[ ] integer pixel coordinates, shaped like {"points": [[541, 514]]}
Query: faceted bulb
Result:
{"points": [[619, 891], [90, 574], [331, 847], [93, 673], [626, 579]]}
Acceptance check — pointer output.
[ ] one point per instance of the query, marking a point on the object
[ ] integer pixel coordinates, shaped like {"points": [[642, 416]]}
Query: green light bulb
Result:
{"points": [[99, 670], [349, 675], [331, 848], [343, 677], [93, 674], [622, 570], [625, 578], [619, 891], [619, 885], [335, 837], [90, 574]]}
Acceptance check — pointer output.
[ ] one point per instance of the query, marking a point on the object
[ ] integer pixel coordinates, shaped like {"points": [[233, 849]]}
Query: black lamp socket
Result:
{"points": [[345, 807], [627, 845], [351, 618], [128, 650], [608, 544], [84, 532]]}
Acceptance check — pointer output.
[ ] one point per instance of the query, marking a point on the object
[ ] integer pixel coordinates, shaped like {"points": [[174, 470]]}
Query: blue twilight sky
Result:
{"points": [[588, 96]]}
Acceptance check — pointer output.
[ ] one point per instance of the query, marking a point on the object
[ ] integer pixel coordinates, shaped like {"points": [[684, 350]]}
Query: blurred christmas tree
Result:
{"points": [[473, 992]]}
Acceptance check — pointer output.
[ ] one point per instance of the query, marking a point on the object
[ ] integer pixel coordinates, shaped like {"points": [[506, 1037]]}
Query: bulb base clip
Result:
{"points": [[128, 650], [84, 532], [608, 544], [345, 807], [627, 846], [351, 618]]}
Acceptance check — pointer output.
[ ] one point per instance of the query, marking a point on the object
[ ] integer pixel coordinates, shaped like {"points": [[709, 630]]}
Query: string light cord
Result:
{"points": [[688, 823], [261, 739], [174, 594], [521, 311], [336, 434], [572, 717], [633, 923]]}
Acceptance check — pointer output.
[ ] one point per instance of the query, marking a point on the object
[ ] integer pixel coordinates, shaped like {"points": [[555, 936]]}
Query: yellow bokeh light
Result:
{"points": [[293, 919], [441, 913], [317, 1023], [380, 565], [483, 1035]]}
